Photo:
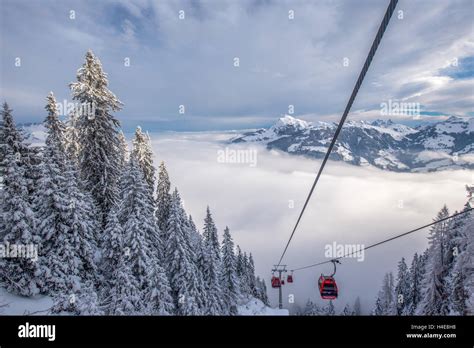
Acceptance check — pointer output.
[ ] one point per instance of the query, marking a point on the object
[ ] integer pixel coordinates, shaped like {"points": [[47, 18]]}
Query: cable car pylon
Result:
{"points": [[277, 282]]}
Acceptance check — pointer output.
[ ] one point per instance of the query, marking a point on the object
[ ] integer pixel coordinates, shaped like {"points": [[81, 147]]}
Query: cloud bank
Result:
{"points": [[351, 205]]}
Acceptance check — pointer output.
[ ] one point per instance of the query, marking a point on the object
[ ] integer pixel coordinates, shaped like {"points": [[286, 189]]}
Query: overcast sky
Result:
{"points": [[283, 61]]}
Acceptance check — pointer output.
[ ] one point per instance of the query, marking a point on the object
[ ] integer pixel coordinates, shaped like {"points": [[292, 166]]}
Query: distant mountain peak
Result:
{"points": [[381, 143], [290, 121], [382, 123]]}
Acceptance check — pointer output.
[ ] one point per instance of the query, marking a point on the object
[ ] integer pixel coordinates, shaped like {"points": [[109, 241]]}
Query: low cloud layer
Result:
{"points": [[351, 205], [424, 57]]}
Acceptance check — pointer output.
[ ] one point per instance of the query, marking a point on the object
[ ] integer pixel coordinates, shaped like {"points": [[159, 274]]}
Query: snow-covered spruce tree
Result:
{"points": [[241, 273], [262, 291], [163, 199], [414, 290], [347, 310], [129, 228], [251, 276], [71, 138], [312, 309], [124, 152], [136, 215], [51, 202], [51, 205], [329, 309], [70, 249], [98, 133], [462, 298], [402, 288], [197, 246], [135, 194], [452, 248], [144, 155], [181, 270], [158, 298], [19, 275], [210, 233], [112, 246], [56, 129], [385, 303], [126, 296], [229, 280], [378, 307], [27, 156], [435, 299], [246, 276], [212, 266], [357, 307]]}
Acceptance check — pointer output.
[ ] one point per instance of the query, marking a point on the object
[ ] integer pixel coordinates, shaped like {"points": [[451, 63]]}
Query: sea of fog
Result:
{"points": [[261, 198]]}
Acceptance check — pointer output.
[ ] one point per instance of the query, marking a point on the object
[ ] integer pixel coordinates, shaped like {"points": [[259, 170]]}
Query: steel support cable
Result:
{"points": [[386, 240], [365, 68]]}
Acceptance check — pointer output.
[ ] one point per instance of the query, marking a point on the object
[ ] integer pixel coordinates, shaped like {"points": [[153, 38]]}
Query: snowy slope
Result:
{"points": [[256, 307], [18, 305], [383, 144]]}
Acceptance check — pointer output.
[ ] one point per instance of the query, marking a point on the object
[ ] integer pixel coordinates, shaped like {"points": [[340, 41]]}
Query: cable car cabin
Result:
{"points": [[276, 282], [282, 282], [327, 287], [289, 279]]}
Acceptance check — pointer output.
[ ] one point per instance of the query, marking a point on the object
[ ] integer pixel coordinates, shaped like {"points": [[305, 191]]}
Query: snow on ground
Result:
{"points": [[256, 307], [19, 305]]}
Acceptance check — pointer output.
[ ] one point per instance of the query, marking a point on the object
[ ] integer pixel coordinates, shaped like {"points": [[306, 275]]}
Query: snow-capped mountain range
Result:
{"points": [[387, 145]]}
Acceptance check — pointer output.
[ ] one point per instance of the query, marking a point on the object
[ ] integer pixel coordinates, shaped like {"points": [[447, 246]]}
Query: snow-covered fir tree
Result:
{"points": [[144, 155], [197, 246], [357, 307], [386, 303], [312, 309], [229, 280], [158, 297], [181, 270], [71, 138], [462, 289], [124, 151], [27, 156], [261, 290], [136, 214], [402, 288], [434, 294], [241, 272], [251, 276], [212, 266], [125, 296], [70, 249], [112, 244], [98, 133], [329, 309], [163, 199], [415, 276], [347, 310], [20, 275]]}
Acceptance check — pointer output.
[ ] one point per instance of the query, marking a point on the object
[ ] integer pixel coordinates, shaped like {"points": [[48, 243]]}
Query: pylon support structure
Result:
{"points": [[279, 269]]}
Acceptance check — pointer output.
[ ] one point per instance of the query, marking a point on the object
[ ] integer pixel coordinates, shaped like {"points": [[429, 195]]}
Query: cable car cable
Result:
{"points": [[365, 68], [386, 240]]}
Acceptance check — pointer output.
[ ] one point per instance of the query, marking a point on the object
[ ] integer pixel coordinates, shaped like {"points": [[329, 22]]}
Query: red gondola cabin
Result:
{"points": [[289, 279], [327, 287], [276, 282]]}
